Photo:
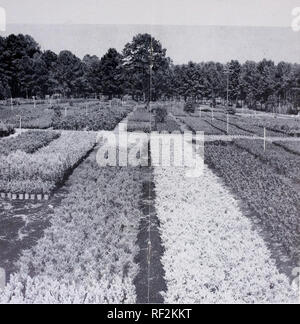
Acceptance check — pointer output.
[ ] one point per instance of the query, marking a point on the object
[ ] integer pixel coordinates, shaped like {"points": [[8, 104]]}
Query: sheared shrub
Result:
{"points": [[160, 114], [6, 130], [239, 105], [190, 106], [116, 102]]}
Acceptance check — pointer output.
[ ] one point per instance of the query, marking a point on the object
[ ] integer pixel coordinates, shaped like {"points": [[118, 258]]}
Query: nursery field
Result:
{"points": [[72, 231], [86, 115], [264, 177], [144, 121]]}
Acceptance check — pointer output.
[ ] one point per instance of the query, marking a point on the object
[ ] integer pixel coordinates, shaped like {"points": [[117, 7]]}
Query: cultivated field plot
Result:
{"points": [[134, 234], [87, 254], [84, 115], [40, 117], [31, 171], [144, 121]]}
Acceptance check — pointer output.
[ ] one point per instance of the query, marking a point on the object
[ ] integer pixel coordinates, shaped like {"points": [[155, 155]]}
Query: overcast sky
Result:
{"points": [[168, 12], [94, 26]]}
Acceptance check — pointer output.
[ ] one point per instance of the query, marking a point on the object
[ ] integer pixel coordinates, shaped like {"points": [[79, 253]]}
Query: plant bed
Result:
{"points": [[275, 156], [213, 254], [251, 125], [41, 172], [289, 146], [28, 142], [169, 125], [91, 118], [32, 118], [200, 125], [274, 201], [87, 253]]}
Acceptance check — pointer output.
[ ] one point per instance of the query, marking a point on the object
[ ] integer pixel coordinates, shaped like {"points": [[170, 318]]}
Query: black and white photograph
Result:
{"points": [[150, 154]]}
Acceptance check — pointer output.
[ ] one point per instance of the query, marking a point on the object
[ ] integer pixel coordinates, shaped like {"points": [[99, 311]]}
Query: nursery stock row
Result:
{"points": [[28, 142], [88, 254], [263, 191], [42, 171]]}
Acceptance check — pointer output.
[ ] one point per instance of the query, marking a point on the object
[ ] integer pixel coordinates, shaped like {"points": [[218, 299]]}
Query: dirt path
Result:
{"points": [[150, 282]]}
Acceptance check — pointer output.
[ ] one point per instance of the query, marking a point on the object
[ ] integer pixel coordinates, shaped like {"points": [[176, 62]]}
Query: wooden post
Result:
{"points": [[20, 121], [66, 111], [11, 103], [227, 124], [265, 139]]}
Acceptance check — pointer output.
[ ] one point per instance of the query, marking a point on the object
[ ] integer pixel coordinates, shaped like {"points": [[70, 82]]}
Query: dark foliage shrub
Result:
{"points": [[6, 130], [190, 106], [160, 114]]}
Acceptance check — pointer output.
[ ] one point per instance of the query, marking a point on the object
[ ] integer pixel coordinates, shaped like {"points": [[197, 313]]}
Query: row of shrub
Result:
{"points": [[88, 253], [82, 116], [28, 142], [39, 173], [273, 200], [93, 118], [154, 119]]}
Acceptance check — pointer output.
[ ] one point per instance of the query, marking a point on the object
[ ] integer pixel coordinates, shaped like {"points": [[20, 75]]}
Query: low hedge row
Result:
{"points": [[28, 142]]}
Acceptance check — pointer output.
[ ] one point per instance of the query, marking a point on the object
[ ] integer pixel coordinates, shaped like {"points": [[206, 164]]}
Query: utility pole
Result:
{"points": [[34, 103], [227, 71], [227, 89]]}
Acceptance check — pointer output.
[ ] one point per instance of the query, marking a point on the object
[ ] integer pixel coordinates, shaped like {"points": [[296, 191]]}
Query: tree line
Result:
{"points": [[144, 71]]}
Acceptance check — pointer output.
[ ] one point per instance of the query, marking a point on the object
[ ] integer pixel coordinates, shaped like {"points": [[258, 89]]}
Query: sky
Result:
{"points": [[197, 30], [166, 12]]}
